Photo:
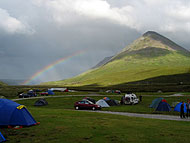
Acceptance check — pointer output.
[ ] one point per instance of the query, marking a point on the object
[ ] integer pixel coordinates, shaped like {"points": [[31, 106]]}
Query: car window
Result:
{"points": [[81, 102], [86, 102]]}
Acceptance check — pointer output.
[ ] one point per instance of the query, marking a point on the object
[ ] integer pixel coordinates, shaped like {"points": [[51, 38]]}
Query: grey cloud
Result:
{"points": [[22, 55]]}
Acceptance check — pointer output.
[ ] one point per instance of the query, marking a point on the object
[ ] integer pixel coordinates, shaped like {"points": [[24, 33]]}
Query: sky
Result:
{"points": [[37, 33]]}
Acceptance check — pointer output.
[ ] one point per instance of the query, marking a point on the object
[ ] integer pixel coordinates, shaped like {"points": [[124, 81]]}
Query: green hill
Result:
{"points": [[2, 83], [150, 56]]}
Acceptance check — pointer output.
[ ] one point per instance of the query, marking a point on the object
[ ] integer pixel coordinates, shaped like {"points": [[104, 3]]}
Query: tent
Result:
{"points": [[164, 100], [111, 102], [102, 103], [163, 106], [106, 98], [14, 114], [41, 102], [155, 102], [2, 139], [117, 102], [177, 107], [50, 92]]}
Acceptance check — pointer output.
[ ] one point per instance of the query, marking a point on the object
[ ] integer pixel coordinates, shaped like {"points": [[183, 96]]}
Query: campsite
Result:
{"points": [[94, 71], [59, 121]]}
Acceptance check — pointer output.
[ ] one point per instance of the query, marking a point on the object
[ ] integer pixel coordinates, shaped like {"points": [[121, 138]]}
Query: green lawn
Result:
{"points": [[60, 124], [143, 107]]}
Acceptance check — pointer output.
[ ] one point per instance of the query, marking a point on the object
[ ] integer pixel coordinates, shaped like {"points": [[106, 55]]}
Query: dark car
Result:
{"points": [[23, 95], [86, 105], [31, 93], [27, 95]]}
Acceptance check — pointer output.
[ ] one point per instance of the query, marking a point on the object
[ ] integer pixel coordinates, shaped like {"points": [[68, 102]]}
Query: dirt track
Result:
{"points": [[150, 116]]}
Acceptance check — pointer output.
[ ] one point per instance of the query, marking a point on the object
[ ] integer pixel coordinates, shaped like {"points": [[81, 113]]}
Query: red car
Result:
{"points": [[44, 93], [86, 105]]}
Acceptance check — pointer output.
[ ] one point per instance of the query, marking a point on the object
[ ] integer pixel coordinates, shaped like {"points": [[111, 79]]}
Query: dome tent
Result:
{"points": [[177, 107], [106, 98], [50, 92], [111, 102], [41, 102], [156, 102], [2, 138], [163, 106], [102, 103], [14, 114]]}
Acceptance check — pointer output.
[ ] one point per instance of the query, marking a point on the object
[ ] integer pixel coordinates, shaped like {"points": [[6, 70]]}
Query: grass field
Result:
{"points": [[60, 123], [2, 84], [143, 107]]}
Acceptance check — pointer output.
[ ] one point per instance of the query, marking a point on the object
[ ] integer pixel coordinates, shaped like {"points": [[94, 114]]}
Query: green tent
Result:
{"points": [[156, 102]]}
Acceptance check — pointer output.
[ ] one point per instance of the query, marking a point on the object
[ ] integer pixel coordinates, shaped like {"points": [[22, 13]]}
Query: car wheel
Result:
{"points": [[76, 107], [93, 108]]}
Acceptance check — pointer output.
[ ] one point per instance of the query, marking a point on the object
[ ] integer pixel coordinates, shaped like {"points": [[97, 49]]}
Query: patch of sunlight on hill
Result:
{"points": [[130, 68]]}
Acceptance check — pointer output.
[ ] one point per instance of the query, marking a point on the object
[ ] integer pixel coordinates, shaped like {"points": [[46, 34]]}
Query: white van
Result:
{"points": [[129, 99]]}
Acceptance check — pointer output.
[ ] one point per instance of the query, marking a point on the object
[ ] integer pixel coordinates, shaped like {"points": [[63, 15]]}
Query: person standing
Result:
{"points": [[140, 98], [188, 108], [182, 115]]}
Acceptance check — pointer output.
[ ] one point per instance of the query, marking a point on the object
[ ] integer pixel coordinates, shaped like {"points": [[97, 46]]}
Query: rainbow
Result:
{"points": [[50, 66]]}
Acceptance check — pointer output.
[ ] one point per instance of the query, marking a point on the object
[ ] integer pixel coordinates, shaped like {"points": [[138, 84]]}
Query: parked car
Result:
{"points": [[25, 95], [86, 105], [44, 93], [118, 91], [113, 91], [31, 93]]}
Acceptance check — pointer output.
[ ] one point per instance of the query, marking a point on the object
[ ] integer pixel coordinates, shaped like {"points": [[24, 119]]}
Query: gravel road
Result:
{"points": [[150, 116]]}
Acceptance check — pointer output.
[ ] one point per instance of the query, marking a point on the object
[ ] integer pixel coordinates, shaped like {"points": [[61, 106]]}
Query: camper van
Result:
{"points": [[129, 99]]}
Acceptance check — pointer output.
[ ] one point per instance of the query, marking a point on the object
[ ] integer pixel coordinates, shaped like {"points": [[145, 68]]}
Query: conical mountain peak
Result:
{"points": [[150, 45], [160, 38], [151, 33]]}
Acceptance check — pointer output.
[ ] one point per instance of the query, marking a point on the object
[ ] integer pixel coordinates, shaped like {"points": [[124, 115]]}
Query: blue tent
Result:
{"points": [[50, 92], [2, 139], [156, 102], [106, 98], [163, 106], [177, 107], [14, 114]]}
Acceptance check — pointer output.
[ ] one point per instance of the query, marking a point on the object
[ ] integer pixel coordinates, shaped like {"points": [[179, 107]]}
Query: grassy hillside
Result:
{"points": [[2, 83], [147, 57]]}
